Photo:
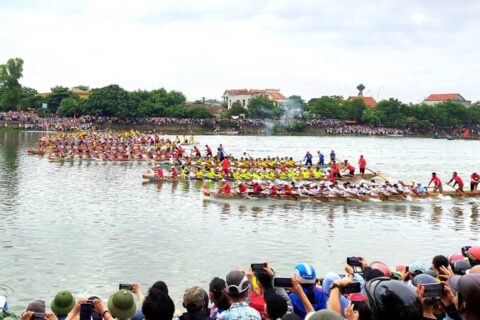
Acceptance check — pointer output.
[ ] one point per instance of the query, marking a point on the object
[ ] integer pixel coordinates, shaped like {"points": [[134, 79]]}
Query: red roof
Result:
{"points": [[443, 97], [369, 101]]}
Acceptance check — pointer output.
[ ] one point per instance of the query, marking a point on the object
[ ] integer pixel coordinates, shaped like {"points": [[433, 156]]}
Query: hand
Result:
{"points": [[26, 315], [50, 316], [136, 288], [349, 269], [446, 273], [269, 270], [350, 314], [343, 282], [447, 296], [420, 293], [296, 286], [76, 309], [249, 274], [98, 306], [363, 262]]}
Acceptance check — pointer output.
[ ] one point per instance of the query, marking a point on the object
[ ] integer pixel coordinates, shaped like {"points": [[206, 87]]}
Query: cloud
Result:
{"points": [[405, 49]]}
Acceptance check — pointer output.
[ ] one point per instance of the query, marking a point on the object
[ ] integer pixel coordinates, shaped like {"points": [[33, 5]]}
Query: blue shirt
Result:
{"points": [[319, 302], [239, 311]]}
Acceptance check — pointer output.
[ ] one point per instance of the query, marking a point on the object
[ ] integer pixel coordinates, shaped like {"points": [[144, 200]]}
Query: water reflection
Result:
{"points": [[9, 162]]}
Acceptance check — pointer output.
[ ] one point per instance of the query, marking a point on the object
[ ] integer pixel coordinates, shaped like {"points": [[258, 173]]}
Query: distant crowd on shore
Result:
{"points": [[32, 121], [448, 288]]}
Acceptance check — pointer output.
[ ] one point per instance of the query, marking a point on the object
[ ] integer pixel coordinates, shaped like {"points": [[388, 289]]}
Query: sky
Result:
{"points": [[405, 49]]}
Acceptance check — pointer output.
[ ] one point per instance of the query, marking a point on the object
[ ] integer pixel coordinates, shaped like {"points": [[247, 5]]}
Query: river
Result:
{"points": [[86, 227]]}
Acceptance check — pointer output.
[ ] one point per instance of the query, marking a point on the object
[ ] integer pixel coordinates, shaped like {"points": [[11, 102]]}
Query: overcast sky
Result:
{"points": [[405, 48]]}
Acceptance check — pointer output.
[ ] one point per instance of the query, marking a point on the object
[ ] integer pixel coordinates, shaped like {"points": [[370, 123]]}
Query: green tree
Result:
{"points": [[326, 106], [392, 112], [353, 109], [70, 107], [237, 109], [10, 88], [109, 101], [262, 107], [199, 112], [29, 99], [371, 116], [56, 96]]}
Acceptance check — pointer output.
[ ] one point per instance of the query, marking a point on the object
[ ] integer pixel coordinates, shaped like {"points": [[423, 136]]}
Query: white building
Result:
{"points": [[245, 95], [442, 97]]}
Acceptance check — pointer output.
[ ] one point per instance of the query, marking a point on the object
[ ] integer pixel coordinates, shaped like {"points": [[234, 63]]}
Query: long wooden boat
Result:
{"points": [[320, 198]]}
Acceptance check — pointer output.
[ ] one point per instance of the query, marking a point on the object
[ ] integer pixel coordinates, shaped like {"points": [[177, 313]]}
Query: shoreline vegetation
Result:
{"points": [[61, 108]]}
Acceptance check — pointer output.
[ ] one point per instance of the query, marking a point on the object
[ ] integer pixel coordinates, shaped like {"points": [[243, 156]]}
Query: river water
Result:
{"points": [[86, 227]]}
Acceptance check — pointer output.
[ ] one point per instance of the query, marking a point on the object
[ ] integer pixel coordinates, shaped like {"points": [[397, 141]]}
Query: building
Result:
{"points": [[442, 97], [245, 95], [369, 101]]}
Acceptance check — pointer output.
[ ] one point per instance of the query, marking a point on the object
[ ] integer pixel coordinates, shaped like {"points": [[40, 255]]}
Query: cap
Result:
{"points": [[467, 285], [121, 304], [417, 267], [324, 315], [423, 279], [382, 267], [63, 303], [305, 273], [37, 306], [237, 283]]}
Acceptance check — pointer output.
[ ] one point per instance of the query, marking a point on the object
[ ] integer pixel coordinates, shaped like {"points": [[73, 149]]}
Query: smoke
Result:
{"points": [[292, 110]]}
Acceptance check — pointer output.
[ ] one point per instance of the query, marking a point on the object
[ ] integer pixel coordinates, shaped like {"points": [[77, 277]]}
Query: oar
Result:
{"points": [[378, 174]]}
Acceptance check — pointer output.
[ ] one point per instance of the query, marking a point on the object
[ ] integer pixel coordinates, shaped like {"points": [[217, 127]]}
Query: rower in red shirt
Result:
{"points": [[335, 169], [287, 189], [458, 181], [160, 173], [331, 176], [362, 164], [225, 188], [474, 179], [437, 183], [257, 188], [174, 172], [242, 188], [273, 191], [225, 165], [349, 167]]}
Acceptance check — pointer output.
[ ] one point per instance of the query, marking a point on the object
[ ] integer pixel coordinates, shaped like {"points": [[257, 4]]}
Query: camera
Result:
{"points": [[354, 261], [282, 282], [38, 316], [353, 287], [433, 291], [86, 311], [258, 266], [126, 286]]}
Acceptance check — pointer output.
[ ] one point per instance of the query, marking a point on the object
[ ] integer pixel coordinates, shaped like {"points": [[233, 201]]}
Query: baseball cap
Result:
{"points": [[423, 279], [468, 287], [237, 283], [37, 306], [417, 267]]}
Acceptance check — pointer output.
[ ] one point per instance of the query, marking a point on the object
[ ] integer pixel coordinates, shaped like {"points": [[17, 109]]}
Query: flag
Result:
{"points": [[466, 133]]}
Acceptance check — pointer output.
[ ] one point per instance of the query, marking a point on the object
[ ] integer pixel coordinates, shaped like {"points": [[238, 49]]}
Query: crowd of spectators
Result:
{"points": [[448, 288]]}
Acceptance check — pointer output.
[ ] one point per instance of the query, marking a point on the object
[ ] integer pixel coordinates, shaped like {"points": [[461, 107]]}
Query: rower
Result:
{"points": [[421, 189], [362, 164], [437, 183], [273, 191], [160, 173], [349, 167], [174, 172], [474, 179], [225, 188], [458, 181], [336, 170], [257, 187], [242, 187], [208, 150]]}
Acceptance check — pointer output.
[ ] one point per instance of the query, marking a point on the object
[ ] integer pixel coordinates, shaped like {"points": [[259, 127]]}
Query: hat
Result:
{"points": [[460, 267], [63, 303], [193, 298], [305, 273], [473, 253], [382, 267], [468, 286], [237, 283], [417, 267], [121, 304], [456, 257], [37, 306], [324, 315], [423, 279]]}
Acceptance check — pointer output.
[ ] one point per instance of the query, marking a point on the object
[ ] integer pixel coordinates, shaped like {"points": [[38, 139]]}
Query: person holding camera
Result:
{"points": [[36, 311]]}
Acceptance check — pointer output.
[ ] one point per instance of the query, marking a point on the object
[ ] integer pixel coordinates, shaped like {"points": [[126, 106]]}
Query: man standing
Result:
{"points": [[474, 179], [308, 159], [458, 181], [362, 164], [437, 183], [321, 158]]}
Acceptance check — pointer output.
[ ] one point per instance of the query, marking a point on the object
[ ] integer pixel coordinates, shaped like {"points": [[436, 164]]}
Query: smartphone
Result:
{"points": [[282, 282], [126, 286], [258, 266], [354, 261], [433, 290], [38, 316], [352, 287], [407, 269], [86, 311]]}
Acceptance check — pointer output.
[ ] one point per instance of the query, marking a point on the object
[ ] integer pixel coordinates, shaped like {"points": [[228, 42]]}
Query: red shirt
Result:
{"points": [[273, 190], [458, 180], [436, 182], [160, 173], [242, 188], [362, 163], [287, 189], [335, 168], [225, 164], [331, 178], [475, 177], [226, 188], [350, 167], [257, 188]]}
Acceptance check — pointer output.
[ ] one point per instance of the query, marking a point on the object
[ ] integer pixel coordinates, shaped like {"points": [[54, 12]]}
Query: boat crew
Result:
{"points": [[332, 156], [321, 158], [362, 164], [308, 159], [242, 187], [225, 187], [349, 167]]}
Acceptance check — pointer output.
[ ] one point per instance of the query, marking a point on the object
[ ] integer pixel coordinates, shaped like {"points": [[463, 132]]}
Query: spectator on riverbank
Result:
{"points": [[307, 277]]}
